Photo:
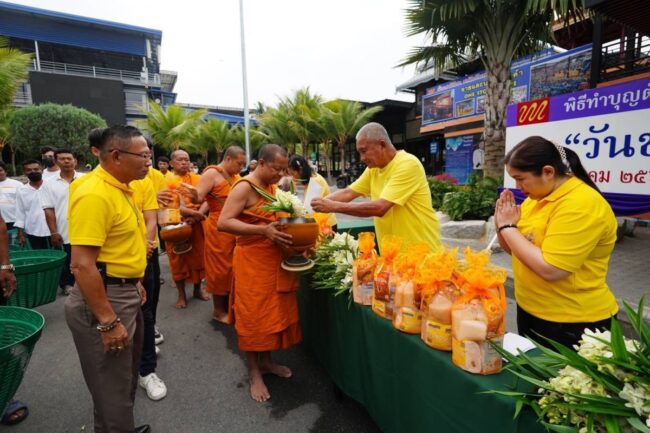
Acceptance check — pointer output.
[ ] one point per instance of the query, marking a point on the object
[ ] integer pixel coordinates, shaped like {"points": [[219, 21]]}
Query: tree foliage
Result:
{"points": [[52, 125], [172, 127], [13, 70], [496, 31]]}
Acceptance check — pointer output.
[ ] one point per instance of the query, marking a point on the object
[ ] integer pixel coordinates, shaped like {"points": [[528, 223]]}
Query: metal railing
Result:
{"points": [[620, 61], [128, 77], [23, 96]]}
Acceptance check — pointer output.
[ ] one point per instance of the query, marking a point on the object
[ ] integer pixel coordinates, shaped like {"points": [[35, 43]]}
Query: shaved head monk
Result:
{"points": [[215, 185], [188, 266], [266, 310]]}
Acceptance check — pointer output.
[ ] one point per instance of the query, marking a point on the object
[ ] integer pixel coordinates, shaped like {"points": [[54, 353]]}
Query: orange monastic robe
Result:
{"points": [[266, 309], [188, 266], [219, 246]]}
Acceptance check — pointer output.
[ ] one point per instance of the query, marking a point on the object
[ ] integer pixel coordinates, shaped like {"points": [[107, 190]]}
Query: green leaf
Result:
{"points": [[638, 424], [519, 404], [618, 344], [611, 424], [560, 428]]}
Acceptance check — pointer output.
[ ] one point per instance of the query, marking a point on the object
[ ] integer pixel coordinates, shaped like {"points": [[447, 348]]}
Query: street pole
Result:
{"points": [[244, 79]]}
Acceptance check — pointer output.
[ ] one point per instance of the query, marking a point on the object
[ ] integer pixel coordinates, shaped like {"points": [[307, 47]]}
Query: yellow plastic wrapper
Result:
{"points": [[406, 302], [385, 280], [439, 290], [363, 269], [478, 316]]}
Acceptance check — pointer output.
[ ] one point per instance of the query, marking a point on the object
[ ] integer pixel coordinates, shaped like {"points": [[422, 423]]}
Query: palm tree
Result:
{"points": [[305, 110], [211, 135], [496, 31], [13, 70], [256, 138], [5, 132], [274, 125], [343, 119], [172, 127]]}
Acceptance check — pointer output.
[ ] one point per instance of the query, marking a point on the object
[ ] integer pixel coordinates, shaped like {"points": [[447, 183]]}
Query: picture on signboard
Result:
{"points": [[518, 94], [565, 75], [480, 104], [464, 107], [437, 107]]}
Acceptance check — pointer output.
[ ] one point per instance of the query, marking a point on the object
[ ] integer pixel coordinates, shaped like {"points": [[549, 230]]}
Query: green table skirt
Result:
{"points": [[406, 386]]}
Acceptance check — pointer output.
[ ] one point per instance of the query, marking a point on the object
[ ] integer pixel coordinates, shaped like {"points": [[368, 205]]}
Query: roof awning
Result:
{"points": [[632, 13]]}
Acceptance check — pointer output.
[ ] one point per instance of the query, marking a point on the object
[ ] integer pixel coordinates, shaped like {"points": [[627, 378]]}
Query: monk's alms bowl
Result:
{"points": [[304, 231], [176, 233]]}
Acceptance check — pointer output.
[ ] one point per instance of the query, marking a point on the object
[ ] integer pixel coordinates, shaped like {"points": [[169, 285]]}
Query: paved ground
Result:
{"points": [[206, 379]]}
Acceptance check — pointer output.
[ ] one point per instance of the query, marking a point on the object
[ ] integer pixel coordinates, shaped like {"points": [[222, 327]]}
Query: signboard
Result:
{"points": [[546, 74], [433, 147], [608, 127], [458, 157]]}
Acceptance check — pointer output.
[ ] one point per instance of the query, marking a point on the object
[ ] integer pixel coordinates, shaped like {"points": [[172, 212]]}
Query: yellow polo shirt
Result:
{"points": [[158, 179], [575, 228], [402, 182], [102, 213]]}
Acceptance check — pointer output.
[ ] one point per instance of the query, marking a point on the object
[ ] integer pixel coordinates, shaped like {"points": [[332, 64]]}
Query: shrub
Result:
{"points": [[53, 125], [473, 201], [439, 186]]}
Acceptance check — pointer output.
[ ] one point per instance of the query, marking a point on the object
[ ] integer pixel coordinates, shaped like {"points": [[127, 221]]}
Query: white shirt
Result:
{"points": [[29, 211], [54, 195], [50, 174], [8, 189]]}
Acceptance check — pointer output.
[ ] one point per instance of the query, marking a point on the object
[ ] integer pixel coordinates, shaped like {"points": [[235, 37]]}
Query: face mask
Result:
{"points": [[48, 162], [34, 176]]}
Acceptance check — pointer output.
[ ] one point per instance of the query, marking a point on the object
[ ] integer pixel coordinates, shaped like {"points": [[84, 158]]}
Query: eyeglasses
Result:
{"points": [[145, 155]]}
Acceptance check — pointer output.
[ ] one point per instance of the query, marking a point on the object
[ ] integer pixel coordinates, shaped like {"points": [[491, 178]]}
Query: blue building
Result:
{"points": [[109, 68]]}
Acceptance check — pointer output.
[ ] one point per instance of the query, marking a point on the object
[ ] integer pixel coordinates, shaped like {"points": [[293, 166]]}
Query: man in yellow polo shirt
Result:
{"points": [[108, 260], [397, 185]]}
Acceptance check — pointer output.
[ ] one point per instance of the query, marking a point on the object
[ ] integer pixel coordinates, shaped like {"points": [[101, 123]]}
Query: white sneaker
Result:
{"points": [[157, 351], [155, 387], [158, 337]]}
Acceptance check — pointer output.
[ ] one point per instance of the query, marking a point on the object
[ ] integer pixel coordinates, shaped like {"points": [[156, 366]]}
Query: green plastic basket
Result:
{"points": [[37, 276], [20, 329]]}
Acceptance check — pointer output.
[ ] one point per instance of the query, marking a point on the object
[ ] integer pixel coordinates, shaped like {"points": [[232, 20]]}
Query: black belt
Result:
{"points": [[120, 281]]}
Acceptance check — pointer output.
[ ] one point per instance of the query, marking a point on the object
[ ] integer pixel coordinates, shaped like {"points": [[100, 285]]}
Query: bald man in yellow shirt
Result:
{"points": [[397, 186]]}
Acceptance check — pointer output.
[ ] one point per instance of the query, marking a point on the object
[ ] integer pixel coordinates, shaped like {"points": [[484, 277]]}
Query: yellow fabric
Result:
{"points": [[102, 214], [158, 179], [576, 230], [169, 174], [325, 191], [403, 183], [144, 198]]}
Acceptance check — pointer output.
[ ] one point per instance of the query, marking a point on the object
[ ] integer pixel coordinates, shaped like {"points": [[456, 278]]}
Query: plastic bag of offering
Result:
{"points": [[478, 316], [363, 269], [439, 290], [384, 287], [406, 303]]}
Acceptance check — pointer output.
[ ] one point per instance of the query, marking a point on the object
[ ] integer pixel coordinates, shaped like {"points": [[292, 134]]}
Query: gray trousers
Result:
{"points": [[111, 379]]}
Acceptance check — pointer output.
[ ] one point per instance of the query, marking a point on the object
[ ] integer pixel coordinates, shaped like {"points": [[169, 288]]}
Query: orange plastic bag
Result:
{"points": [[478, 316], [384, 287], [406, 303], [363, 270], [439, 291]]}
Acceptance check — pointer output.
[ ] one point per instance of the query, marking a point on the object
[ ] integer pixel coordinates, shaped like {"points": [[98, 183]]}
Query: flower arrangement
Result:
{"points": [[604, 387], [334, 258], [284, 201]]}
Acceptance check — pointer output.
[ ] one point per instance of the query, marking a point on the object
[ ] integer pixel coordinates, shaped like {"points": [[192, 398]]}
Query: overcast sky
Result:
{"points": [[340, 48]]}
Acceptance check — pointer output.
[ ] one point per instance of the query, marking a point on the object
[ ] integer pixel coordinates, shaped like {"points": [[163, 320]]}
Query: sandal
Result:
{"points": [[13, 414]]}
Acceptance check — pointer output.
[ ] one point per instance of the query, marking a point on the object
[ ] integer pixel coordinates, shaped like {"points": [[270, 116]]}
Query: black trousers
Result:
{"points": [[66, 279], [38, 242], [151, 283], [566, 333]]}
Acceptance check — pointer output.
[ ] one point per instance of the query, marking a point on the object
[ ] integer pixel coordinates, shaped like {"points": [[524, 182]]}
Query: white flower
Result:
{"points": [[636, 396]]}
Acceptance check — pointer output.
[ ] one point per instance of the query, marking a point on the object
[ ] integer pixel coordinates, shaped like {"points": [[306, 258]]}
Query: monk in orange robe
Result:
{"points": [[188, 266], [266, 310], [215, 185]]}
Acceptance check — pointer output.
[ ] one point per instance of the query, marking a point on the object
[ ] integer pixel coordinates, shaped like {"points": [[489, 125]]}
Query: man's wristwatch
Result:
{"points": [[8, 267]]}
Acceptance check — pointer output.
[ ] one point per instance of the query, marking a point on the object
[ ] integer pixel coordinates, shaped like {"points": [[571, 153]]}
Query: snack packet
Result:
{"points": [[363, 270], [384, 278]]}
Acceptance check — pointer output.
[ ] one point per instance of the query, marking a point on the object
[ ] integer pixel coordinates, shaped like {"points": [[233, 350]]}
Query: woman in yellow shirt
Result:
{"points": [[301, 171], [560, 239]]}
